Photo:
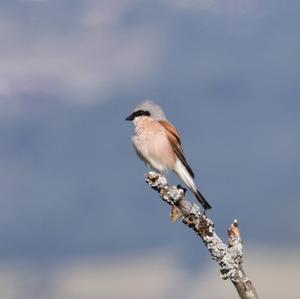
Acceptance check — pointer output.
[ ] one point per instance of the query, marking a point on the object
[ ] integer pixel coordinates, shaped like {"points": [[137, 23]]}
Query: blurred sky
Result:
{"points": [[226, 73]]}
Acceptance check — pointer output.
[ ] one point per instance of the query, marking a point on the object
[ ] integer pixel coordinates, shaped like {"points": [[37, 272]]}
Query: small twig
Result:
{"points": [[228, 257]]}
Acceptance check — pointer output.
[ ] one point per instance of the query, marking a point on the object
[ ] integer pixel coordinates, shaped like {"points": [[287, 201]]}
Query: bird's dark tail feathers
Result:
{"points": [[202, 200]]}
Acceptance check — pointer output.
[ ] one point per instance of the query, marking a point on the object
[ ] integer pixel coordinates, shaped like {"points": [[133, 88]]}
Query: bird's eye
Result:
{"points": [[141, 113]]}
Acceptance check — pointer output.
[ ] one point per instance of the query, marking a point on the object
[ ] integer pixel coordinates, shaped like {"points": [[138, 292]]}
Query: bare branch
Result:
{"points": [[228, 257]]}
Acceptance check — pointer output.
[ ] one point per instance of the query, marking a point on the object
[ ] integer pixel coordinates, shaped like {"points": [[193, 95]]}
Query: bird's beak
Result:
{"points": [[130, 117]]}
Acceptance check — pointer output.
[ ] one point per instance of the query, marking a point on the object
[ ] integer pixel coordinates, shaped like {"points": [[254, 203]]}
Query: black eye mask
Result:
{"points": [[136, 114]]}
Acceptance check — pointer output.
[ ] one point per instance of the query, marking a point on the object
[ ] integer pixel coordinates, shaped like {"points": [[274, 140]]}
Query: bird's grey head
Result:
{"points": [[147, 108]]}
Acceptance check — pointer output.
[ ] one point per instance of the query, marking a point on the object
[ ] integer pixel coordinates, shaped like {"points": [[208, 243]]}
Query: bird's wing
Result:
{"points": [[174, 139]]}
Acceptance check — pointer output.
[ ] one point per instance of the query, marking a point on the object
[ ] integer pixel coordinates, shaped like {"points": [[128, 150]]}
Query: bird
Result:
{"points": [[158, 143]]}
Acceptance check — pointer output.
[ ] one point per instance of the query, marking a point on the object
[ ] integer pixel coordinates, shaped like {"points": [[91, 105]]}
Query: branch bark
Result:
{"points": [[229, 257]]}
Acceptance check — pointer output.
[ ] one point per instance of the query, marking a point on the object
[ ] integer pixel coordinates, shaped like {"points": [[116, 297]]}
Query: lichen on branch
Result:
{"points": [[229, 257]]}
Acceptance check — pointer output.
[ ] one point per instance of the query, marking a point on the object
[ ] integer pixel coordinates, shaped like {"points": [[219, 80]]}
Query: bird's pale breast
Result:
{"points": [[152, 145]]}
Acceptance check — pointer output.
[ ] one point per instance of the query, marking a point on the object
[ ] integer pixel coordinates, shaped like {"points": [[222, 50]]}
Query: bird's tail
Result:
{"points": [[202, 200], [182, 172]]}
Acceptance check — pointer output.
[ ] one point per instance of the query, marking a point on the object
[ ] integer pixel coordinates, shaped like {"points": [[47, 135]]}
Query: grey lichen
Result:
{"points": [[228, 257]]}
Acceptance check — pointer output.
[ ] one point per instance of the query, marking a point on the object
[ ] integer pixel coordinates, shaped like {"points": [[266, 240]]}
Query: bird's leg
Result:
{"points": [[182, 188]]}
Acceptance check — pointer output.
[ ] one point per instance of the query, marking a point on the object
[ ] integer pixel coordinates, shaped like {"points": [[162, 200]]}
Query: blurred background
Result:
{"points": [[77, 220]]}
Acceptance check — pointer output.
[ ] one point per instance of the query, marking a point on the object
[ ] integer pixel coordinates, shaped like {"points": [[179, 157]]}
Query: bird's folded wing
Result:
{"points": [[174, 139]]}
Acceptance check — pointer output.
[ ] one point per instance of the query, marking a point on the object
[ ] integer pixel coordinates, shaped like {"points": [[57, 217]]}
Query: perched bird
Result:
{"points": [[157, 142]]}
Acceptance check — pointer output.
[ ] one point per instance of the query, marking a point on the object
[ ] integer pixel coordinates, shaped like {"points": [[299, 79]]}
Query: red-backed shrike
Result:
{"points": [[157, 142]]}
